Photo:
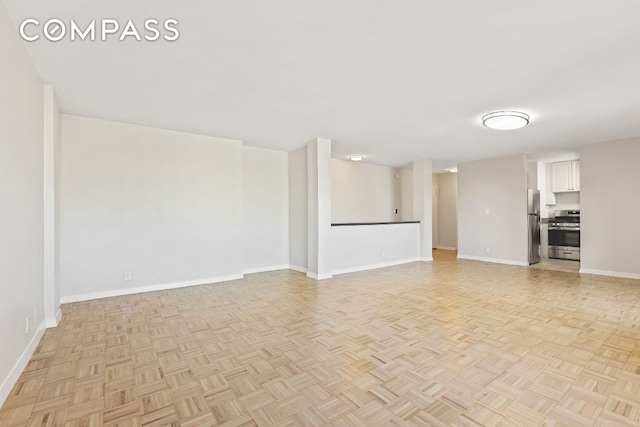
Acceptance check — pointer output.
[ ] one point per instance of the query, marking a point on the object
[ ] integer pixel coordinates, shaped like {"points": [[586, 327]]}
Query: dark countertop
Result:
{"points": [[339, 224]]}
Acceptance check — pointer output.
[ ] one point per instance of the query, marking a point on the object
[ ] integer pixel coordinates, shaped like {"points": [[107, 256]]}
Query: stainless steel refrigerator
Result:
{"points": [[533, 221]]}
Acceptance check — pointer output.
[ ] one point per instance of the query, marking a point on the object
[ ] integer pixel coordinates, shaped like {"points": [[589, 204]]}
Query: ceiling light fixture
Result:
{"points": [[356, 157], [505, 120], [452, 169]]}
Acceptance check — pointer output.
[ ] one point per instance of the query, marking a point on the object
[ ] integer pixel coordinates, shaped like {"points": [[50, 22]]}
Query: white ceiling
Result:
{"points": [[395, 80]]}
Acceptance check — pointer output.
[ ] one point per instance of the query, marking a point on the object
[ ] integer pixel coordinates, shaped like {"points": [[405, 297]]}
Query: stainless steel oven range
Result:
{"points": [[564, 235]]}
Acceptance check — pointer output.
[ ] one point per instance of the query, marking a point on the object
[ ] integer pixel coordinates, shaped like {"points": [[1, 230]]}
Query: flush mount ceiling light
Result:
{"points": [[505, 120], [356, 157], [452, 169]]}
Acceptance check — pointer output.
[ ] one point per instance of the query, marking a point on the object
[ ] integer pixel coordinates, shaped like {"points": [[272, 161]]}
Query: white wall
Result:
{"points": [[396, 203], [567, 201], [51, 170], [532, 175], [609, 186], [361, 247], [319, 208], [363, 192], [265, 209], [165, 205], [548, 202], [448, 210], [499, 185], [422, 205], [547, 198], [406, 194], [434, 211], [21, 216], [298, 209]]}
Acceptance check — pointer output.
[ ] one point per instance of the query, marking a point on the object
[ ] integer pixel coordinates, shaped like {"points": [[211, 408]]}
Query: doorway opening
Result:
{"points": [[445, 211]]}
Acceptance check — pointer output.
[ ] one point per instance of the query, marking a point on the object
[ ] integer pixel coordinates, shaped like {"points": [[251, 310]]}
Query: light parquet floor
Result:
{"points": [[448, 343], [557, 265]]}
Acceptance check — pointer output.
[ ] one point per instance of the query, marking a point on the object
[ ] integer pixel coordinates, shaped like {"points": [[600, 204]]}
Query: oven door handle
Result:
{"points": [[565, 228]]}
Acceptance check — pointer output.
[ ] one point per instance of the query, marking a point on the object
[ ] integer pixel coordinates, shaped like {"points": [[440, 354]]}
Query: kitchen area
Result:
{"points": [[558, 183]]}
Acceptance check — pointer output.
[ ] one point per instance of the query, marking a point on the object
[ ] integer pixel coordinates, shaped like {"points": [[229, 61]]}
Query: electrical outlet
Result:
{"points": [[128, 275], [486, 211], [26, 328], [487, 250]]}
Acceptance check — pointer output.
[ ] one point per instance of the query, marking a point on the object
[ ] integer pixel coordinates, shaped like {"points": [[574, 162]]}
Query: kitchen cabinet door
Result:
{"points": [[561, 172], [566, 176]]}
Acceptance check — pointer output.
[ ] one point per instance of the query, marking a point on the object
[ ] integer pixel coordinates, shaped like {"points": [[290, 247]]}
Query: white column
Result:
{"points": [[422, 205], [51, 150], [319, 208]]}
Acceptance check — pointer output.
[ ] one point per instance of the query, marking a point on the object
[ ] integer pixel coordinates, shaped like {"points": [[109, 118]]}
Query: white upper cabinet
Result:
{"points": [[576, 175], [566, 176]]}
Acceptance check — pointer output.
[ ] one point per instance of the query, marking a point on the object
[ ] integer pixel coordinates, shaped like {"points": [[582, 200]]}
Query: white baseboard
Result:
{"points": [[52, 322], [297, 268], [275, 268], [447, 248], [264, 269], [379, 265], [425, 259], [610, 273], [315, 276], [493, 260], [149, 288], [21, 363]]}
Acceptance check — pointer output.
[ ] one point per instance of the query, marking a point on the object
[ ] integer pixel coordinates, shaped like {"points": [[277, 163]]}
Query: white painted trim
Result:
{"points": [[150, 288], [493, 260], [50, 137], [374, 266], [447, 248], [315, 276], [429, 259], [297, 268], [52, 322], [21, 363], [264, 269], [610, 273]]}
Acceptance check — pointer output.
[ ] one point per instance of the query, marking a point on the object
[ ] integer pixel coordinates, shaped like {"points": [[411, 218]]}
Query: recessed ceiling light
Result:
{"points": [[356, 157], [505, 120]]}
